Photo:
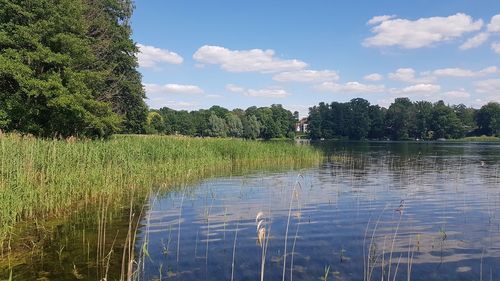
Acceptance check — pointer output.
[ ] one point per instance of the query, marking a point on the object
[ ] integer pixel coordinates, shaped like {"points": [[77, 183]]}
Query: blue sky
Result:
{"points": [[195, 54]]}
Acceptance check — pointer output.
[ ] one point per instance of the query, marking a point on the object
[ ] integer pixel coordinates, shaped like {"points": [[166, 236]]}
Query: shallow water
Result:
{"points": [[428, 210]]}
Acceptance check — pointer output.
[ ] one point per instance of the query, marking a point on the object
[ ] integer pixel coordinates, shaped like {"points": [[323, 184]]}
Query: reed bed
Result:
{"points": [[49, 178]]}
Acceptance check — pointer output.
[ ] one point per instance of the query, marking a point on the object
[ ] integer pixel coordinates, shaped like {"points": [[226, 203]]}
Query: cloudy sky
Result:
{"points": [[195, 54]]}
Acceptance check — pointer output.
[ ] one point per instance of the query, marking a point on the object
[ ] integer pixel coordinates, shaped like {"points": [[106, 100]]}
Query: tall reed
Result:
{"points": [[43, 178]]}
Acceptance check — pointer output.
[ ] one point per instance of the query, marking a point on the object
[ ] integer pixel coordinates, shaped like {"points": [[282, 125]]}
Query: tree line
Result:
{"points": [[402, 120], [252, 123], [69, 67]]}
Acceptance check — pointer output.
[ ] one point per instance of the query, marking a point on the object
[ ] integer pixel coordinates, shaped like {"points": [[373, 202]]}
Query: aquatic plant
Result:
{"points": [[262, 240], [234, 250], [46, 178]]}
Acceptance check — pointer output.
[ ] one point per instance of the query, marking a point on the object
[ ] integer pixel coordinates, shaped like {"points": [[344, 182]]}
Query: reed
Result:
{"points": [[234, 250], [44, 178], [262, 240]]}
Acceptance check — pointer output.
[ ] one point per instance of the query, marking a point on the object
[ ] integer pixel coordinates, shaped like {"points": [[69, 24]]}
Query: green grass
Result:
{"points": [[478, 139], [49, 178]]}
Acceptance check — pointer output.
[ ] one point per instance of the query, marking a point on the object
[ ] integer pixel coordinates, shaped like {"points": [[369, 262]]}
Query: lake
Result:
{"points": [[374, 210]]}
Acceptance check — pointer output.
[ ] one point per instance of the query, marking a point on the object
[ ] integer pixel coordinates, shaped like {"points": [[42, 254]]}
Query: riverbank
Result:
{"points": [[42, 179], [478, 139]]}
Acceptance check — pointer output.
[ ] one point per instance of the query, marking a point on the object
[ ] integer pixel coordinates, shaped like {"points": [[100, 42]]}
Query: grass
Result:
{"points": [[48, 178]]}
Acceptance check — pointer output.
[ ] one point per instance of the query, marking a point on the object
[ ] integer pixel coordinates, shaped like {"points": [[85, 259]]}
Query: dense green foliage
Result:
{"points": [[45, 177], [403, 120], [263, 122], [68, 67]]}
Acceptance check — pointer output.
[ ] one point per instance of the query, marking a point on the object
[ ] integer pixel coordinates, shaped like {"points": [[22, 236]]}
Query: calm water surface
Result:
{"points": [[431, 210], [428, 210]]}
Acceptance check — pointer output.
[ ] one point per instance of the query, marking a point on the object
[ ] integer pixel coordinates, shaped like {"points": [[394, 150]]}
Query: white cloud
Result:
{"points": [[490, 86], [479, 39], [350, 87], [408, 75], [150, 56], [373, 77], [307, 76], [214, 96], [494, 25], [235, 89], [267, 93], [254, 60], [172, 89], [496, 47], [379, 19], [303, 109], [385, 102], [420, 88], [264, 93], [460, 72], [420, 33], [475, 41], [177, 105], [456, 94]]}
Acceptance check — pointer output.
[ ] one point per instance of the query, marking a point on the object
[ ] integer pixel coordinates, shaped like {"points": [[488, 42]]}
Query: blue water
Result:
{"points": [[430, 211]]}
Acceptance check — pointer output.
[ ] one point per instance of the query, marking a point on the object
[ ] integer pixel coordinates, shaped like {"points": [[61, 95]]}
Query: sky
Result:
{"points": [[236, 54]]}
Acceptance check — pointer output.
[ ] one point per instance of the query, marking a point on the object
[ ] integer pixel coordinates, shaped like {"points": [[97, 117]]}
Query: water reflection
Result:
{"points": [[430, 211]]}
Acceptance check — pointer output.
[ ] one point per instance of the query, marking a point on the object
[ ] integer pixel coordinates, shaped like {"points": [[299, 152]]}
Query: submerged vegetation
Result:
{"points": [[44, 178]]}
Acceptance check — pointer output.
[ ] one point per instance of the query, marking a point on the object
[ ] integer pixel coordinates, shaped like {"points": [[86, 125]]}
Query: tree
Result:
{"points": [[399, 119], [488, 119], [337, 120], [377, 116], [220, 111], [359, 119], [251, 127], [423, 119], [466, 116], [216, 126], [180, 122], [234, 125], [284, 121], [326, 121], [268, 128], [199, 120], [314, 123], [444, 122], [47, 71], [108, 27], [155, 123]]}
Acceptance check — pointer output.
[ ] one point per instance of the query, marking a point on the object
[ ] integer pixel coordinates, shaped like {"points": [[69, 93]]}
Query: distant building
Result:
{"points": [[301, 126]]}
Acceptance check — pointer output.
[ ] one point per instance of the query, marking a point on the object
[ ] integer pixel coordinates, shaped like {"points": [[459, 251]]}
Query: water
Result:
{"points": [[428, 210]]}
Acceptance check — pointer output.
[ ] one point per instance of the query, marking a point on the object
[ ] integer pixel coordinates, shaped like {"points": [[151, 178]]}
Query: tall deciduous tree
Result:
{"points": [[377, 117], [423, 119], [488, 119], [216, 126], [359, 119], [68, 67], [400, 119], [251, 127], [444, 122], [108, 27], [234, 125], [48, 76]]}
